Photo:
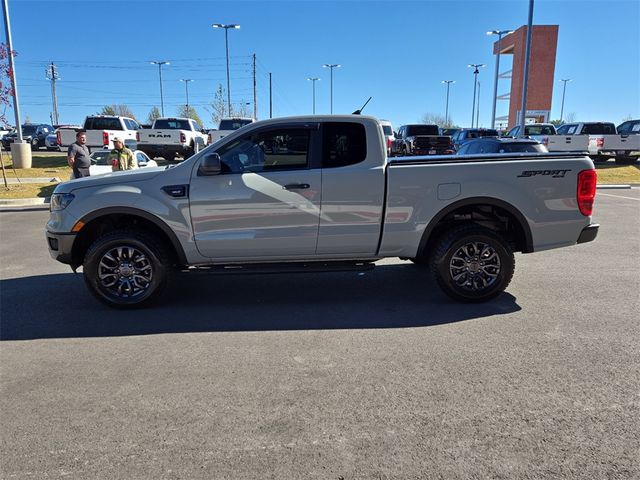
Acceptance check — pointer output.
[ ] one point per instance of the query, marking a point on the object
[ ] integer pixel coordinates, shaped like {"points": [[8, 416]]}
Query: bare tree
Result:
{"points": [[243, 111], [120, 110], [436, 119], [6, 90], [153, 115], [570, 117], [217, 108]]}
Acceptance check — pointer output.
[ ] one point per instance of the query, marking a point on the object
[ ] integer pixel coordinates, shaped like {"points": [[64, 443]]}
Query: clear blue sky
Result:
{"points": [[395, 51]]}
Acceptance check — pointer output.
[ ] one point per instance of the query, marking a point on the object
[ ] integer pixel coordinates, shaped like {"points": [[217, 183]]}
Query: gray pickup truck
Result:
{"points": [[319, 193]]}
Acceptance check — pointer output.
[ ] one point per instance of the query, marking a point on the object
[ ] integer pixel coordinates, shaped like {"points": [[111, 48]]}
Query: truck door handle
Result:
{"points": [[296, 186]]}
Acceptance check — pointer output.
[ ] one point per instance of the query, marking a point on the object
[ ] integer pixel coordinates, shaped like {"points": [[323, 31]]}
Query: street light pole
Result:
{"points": [[446, 111], [478, 107], [313, 81], [12, 67], [525, 82], [500, 33], [226, 43], [475, 66], [564, 88], [331, 66], [160, 64], [186, 88]]}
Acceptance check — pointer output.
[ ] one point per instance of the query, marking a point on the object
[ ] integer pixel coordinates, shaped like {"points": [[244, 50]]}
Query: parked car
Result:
{"points": [[449, 132], [32, 133], [101, 130], [227, 126], [389, 134], [266, 198], [501, 145], [420, 139], [100, 164], [465, 134], [574, 137], [624, 147], [170, 136]]}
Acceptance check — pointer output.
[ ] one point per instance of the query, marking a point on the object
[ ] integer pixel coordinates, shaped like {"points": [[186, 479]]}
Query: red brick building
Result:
{"points": [[542, 64]]}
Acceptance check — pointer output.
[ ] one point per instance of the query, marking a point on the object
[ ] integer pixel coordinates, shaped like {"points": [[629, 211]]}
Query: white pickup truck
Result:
{"points": [[535, 131], [101, 130], [574, 137], [227, 126], [624, 147], [319, 193], [169, 137]]}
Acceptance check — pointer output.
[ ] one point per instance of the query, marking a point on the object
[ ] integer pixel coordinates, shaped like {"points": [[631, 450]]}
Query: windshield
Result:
{"points": [[173, 124], [539, 130], [100, 157], [234, 124], [29, 130], [413, 130]]}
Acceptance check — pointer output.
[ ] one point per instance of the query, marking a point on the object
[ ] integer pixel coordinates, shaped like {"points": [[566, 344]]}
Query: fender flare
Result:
{"points": [[157, 221], [524, 225]]}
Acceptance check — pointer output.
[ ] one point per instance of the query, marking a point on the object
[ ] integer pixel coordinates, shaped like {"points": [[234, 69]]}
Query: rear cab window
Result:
{"points": [[343, 143]]}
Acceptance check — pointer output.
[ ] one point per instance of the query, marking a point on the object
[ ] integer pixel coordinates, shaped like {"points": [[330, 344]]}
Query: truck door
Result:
{"points": [[266, 201], [353, 179]]}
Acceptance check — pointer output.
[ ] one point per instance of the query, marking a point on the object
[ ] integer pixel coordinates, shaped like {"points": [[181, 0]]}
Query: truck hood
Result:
{"points": [[125, 177]]}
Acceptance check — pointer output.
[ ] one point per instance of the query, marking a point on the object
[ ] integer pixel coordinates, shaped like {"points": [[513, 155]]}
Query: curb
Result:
{"points": [[24, 202]]}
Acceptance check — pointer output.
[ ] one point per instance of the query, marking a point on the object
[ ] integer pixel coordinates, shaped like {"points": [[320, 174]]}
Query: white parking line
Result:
{"points": [[617, 196]]}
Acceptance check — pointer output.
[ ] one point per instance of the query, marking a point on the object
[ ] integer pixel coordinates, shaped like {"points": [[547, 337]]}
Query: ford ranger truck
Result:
{"points": [[169, 137], [319, 193]]}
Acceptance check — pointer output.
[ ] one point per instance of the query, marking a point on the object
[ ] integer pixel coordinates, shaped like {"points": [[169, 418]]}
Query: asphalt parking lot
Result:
{"points": [[328, 376]]}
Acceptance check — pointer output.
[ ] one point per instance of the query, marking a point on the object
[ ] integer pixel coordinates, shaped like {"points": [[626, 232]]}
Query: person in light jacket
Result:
{"points": [[121, 158]]}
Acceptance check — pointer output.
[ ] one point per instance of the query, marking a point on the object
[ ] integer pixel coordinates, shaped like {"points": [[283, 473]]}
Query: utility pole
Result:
{"points": [[52, 74], [446, 110], [527, 55], [186, 89], [255, 96], [478, 107], [314, 80], [270, 98], [160, 64], [475, 66], [564, 88]]}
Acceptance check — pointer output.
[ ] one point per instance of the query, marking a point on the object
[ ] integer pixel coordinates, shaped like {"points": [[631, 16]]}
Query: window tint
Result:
{"points": [[343, 143], [97, 123], [520, 147], [29, 130], [100, 157], [599, 129], [281, 149], [141, 158], [513, 132], [387, 130], [539, 130], [233, 124], [172, 124], [422, 130], [563, 130]]}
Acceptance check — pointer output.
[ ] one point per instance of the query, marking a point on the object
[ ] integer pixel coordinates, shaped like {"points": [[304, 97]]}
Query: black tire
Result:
{"points": [[598, 158], [136, 252], [461, 271], [34, 145], [626, 160]]}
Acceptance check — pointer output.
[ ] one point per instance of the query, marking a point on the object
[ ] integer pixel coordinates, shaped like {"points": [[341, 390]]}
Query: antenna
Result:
{"points": [[359, 111]]}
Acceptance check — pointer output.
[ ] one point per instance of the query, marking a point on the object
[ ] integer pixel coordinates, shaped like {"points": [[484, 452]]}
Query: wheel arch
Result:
{"points": [[465, 209], [108, 219]]}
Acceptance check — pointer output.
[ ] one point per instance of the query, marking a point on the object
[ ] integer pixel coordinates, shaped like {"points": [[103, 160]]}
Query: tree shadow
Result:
{"points": [[391, 296]]}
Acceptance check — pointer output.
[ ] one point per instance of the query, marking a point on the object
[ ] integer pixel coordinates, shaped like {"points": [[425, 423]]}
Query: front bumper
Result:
{"points": [[589, 233], [60, 246]]}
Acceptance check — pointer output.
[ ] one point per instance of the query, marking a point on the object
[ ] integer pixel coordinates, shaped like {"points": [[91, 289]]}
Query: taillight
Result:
{"points": [[59, 138], [210, 139], [105, 138], [586, 194], [600, 142], [388, 143], [183, 138], [137, 136]]}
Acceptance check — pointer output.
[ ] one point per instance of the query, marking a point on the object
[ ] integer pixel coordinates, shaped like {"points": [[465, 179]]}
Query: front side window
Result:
{"points": [[387, 130], [272, 150], [513, 132], [343, 143]]}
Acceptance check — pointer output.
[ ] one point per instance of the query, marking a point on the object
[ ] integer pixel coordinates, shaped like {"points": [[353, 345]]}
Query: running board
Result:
{"points": [[285, 267]]}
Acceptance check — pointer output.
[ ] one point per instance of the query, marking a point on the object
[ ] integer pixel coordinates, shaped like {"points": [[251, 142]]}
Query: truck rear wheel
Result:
{"points": [[472, 263], [126, 269]]}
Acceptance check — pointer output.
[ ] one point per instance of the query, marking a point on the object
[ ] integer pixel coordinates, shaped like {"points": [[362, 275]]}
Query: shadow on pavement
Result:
{"points": [[391, 296]]}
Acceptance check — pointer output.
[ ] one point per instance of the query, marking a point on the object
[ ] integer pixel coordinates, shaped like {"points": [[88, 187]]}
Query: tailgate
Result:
{"points": [[160, 137]]}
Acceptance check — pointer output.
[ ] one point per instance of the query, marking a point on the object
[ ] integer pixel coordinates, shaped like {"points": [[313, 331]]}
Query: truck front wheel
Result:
{"points": [[472, 263], [126, 269]]}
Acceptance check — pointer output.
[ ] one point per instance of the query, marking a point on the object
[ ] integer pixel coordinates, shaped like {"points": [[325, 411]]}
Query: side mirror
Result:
{"points": [[210, 165]]}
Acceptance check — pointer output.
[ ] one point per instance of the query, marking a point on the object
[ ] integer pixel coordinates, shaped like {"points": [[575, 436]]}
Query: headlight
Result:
{"points": [[60, 201]]}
